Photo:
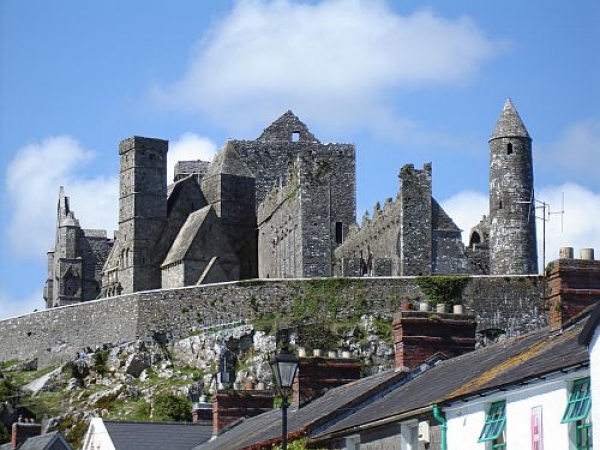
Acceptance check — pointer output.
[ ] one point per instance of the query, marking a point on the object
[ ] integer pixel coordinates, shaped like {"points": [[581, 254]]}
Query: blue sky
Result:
{"points": [[406, 81]]}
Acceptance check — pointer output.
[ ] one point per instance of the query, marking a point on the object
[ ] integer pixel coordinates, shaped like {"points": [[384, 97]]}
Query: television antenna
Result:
{"points": [[545, 217]]}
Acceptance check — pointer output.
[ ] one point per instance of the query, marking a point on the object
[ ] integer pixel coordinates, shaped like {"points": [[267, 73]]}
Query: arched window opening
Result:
{"points": [[475, 239]]}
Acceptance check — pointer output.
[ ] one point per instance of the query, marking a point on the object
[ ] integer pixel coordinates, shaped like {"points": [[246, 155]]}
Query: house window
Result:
{"points": [[494, 427], [577, 412]]}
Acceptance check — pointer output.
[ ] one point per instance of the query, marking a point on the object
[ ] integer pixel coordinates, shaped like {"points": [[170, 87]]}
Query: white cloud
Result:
{"points": [[32, 182], [467, 208], [574, 150], [189, 147], [580, 223], [336, 61]]}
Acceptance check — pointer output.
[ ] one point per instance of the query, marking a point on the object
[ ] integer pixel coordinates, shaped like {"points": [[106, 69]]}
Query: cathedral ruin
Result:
{"points": [[284, 206]]}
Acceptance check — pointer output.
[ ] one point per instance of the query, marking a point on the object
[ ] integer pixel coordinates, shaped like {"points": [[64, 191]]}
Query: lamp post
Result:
{"points": [[284, 366]]}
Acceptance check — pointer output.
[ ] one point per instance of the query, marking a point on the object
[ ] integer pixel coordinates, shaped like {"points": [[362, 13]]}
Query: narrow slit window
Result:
{"points": [[339, 232], [494, 425], [509, 148]]}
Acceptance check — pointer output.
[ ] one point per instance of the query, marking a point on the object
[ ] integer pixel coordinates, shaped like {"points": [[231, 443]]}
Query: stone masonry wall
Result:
{"points": [[513, 304], [55, 334]]}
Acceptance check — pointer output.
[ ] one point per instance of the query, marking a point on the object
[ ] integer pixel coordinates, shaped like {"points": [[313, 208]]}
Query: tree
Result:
{"points": [[169, 407]]}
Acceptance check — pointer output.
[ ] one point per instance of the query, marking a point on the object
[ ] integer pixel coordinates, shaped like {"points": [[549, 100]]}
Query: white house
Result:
{"points": [[549, 413]]}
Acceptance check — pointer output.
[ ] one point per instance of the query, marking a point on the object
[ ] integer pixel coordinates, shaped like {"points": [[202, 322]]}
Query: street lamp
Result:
{"points": [[284, 366]]}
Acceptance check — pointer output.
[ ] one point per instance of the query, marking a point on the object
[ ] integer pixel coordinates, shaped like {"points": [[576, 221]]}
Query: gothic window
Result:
{"points": [[475, 239]]}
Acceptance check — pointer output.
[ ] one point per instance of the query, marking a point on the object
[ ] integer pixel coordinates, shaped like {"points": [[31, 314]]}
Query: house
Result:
{"points": [[133, 435], [533, 388], [27, 435], [590, 337]]}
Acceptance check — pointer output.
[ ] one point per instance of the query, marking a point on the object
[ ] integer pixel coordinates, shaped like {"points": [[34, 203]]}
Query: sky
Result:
{"points": [[407, 82]]}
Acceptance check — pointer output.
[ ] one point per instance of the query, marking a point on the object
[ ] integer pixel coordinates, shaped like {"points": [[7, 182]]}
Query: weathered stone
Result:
{"points": [[136, 364]]}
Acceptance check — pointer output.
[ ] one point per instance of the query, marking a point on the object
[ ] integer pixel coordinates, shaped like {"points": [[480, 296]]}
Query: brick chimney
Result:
{"points": [[317, 375], [573, 285], [23, 430], [418, 335], [202, 411], [230, 406]]}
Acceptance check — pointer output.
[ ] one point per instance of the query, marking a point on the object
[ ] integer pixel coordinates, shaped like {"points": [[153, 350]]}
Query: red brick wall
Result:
{"points": [[229, 407], [317, 375], [572, 286], [419, 335]]}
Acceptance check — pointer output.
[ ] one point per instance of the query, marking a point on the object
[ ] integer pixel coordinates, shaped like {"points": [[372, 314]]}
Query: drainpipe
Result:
{"points": [[437, 415]]}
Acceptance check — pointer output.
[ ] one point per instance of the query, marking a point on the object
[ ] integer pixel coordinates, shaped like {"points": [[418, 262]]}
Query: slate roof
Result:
{"points": [[587, 334], [130, 435], [513, 361], [47, 441], [267, 427], [186, 235], [509, 124], [494, 367]]}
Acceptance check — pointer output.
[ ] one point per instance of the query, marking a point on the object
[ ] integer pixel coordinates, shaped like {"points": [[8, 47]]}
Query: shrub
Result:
{"points": [[170, 407]]}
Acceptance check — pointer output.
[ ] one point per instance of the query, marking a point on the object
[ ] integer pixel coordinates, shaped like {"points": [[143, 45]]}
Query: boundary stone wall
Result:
{"points": [[513, 304]]}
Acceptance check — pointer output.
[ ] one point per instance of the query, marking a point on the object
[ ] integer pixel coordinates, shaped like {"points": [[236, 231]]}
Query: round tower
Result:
{"points": [[513, 246]]}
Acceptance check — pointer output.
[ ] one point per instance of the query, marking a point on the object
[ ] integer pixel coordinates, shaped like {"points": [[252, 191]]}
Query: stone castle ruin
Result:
{"points": [[284, 206]]}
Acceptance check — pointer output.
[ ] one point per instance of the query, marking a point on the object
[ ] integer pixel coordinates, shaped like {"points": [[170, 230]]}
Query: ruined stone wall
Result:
{"points": [[512, 304], [378, 236], [415, 237], [280, 230], [304, 220], [412, 235], [94, 249]]}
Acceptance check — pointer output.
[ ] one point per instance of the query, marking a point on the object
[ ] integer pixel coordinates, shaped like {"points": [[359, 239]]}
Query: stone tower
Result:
{"points": [[513, 247], [142, 211], [229, 187], [415, 239]]}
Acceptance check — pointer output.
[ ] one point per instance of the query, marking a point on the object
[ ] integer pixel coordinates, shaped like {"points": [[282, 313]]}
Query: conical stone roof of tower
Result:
{"points": [[510, 123], [228, 161], [284, 129]]}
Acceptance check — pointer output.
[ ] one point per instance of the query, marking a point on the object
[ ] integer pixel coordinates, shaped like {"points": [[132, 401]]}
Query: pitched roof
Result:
{"points": [[46, 441], [339, 410], [267, 426], [186, 235], [509, 124], [228, 162], [513, 361], [587, 334], [130, 435]]}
